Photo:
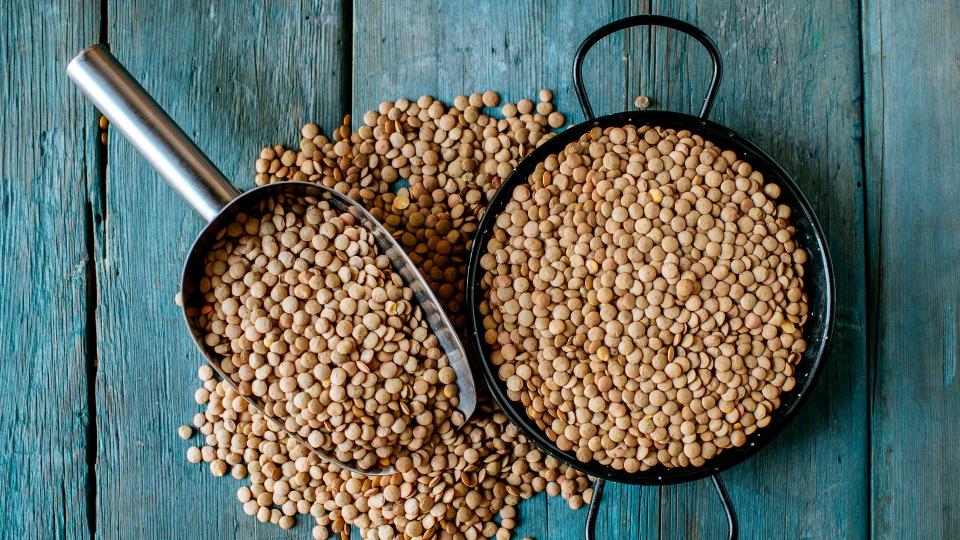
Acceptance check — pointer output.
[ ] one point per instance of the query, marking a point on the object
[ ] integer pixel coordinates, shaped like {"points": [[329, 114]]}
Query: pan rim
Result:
{"points": [[782, 416]]}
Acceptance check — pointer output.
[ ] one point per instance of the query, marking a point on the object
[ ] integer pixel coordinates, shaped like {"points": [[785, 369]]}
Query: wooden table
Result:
{"points": [[858, 101]]}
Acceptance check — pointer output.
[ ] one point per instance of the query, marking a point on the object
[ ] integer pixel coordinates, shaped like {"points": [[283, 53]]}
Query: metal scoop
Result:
{"points": [[140, 119]]}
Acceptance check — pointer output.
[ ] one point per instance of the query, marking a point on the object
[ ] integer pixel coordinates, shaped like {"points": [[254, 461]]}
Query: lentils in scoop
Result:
{"points": [[311, 319], [644, 298]]}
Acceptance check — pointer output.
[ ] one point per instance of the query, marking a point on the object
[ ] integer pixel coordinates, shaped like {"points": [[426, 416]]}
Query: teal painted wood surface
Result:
{"points": [[235, 77], [791, 85], [914, 238], [47, 157], [839, 93]]}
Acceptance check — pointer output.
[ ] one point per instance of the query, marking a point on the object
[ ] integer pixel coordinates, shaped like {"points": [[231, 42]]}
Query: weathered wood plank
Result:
{"points": [[448, 48], [912, 80], [827, 106], [791, 84], [437, 51], [236, 76], [45, 163]]}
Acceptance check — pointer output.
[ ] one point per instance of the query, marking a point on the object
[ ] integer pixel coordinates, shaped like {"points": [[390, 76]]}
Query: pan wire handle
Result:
{"points": [[647, 20], [131, 110], [733, 525], [594, 508]]}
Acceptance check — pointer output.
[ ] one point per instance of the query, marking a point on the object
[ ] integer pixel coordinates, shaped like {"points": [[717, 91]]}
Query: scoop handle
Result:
{"points": [[130, 109]]}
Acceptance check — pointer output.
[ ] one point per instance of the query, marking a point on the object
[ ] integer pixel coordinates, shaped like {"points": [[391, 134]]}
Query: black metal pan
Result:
{"points": [[818, 275]]}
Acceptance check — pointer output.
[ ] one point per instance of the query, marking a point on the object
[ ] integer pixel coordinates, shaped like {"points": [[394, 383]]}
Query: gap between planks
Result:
{"points": [[95, 218]]}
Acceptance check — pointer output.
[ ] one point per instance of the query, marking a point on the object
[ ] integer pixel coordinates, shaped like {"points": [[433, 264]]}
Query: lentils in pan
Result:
{"points": [[644, 298], [310, 318]]}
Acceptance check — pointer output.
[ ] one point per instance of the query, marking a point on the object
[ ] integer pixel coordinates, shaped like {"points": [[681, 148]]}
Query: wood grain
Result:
{"points": [[44, 165], [792, 85], [912, 67], [236, 77], [869, 455]]}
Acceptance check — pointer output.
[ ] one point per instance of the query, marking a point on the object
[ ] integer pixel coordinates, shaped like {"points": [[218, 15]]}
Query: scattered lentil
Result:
{"points": [[441, 490]]}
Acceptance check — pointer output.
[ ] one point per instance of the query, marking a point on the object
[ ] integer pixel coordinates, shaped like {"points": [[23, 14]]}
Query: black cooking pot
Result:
{"points": [[818, 275]]}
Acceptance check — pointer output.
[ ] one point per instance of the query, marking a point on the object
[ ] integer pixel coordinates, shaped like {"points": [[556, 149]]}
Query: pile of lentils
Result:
{"points": [[644, 298], [310, 318], [462, 482]]}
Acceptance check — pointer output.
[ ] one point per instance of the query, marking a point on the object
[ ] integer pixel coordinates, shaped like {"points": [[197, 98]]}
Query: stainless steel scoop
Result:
{"points": [[140, 119]]}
